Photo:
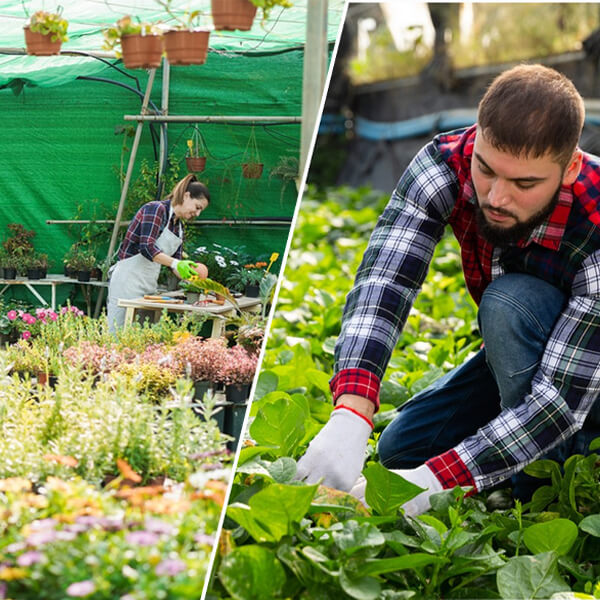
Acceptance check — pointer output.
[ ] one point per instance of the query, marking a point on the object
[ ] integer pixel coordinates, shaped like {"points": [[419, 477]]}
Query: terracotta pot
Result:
{"points": [[229, 15], [252, 170], [142, 51], [184, 47], [39, 44], [195, 164]]}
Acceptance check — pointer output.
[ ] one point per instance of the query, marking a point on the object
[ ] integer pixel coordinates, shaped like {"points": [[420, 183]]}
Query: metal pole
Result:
{"points": [[212, 119], [134, 148], [164, 108], [314, 75]]}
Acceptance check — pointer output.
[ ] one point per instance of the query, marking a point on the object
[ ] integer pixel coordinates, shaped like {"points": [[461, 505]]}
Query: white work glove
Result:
{"points": [[337, 453], [421, 476]]}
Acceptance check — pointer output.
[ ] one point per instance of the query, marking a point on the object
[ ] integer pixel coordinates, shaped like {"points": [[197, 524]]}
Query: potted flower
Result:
{"points": [[141, 43], [81, 261], [45, 32], [229, 15], [248, 279], [41, 262], [195, 159], [185, 43], [11, 264], [236, 371], [252, 168]]}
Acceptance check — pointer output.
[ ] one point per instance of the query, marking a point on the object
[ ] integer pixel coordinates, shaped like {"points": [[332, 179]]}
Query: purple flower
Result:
{"points": [[213, 467], [204, 539], [43, 524], [29, 558], [77, 528], [3, 590], [15, 547], [39, 538], [81, 588], [65, 536], [170, 567], [142, 538], [158, 526]]}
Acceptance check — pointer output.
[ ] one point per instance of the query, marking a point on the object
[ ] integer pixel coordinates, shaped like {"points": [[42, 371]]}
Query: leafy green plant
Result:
{"points": [[50, 23], [126, 26]]}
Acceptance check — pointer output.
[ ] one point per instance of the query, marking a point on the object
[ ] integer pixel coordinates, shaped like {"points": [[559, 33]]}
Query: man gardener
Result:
{"points": [[523, 201]]}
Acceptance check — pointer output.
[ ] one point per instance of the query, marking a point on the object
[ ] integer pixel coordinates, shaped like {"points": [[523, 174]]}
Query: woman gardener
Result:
{"points": [[155, 238]]}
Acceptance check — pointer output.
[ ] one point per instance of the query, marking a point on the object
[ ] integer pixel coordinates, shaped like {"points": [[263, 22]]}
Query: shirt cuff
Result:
{"points": [[451, 471], [359, 382]]}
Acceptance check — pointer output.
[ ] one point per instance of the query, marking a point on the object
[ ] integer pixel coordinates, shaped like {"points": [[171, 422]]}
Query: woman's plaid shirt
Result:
{"points": [[436, 190], [145, 228]]}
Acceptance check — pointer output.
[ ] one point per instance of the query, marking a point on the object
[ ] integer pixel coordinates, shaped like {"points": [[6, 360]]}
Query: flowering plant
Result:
{"points": [[201, 359], [48, 23], [238, 367], [221, 261], [97, 358]]}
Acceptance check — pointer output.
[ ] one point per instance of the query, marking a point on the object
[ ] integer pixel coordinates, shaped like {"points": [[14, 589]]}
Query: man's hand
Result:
{"points": [[337, 453], [186, 269], [421, 476]]}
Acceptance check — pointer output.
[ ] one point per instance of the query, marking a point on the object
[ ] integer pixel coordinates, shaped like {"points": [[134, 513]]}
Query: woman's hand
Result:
{"points": [[201, 270]]}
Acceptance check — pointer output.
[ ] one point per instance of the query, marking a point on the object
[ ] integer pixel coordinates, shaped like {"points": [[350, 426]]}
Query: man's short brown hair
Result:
{"points": [[532, 111]]}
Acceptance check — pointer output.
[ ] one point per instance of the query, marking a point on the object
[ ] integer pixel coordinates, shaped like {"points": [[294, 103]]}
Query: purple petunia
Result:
{"points": [[170, 567], [204, 539], [142, 538], [29, 558], [80, 589]]}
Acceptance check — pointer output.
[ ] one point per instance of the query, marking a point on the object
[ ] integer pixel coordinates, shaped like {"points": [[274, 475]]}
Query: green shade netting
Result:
{"points": [[284, 29], [63, 148]]}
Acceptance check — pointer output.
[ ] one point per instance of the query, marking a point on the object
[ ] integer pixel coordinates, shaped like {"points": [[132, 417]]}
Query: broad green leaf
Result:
{"points": [[595, 444], [591, 525], [266, 399], [438, 525], [543, 469], [249, 452], [386, 491], [255, 466], [283, 469], [357, 536], [318, 379], [319, 410], [529, 577], [252, 573], [360, 588], [301, 401], [271, 512], [542, 497], [329, 345], [279, 424], [393, 393], [557, 535], [267, 382], [412, 562]]}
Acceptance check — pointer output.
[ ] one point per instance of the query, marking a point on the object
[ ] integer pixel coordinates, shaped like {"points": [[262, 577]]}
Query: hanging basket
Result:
{"points": [[142, 51], [195, 164], [39, 44], [252, 170], [229, 15], [184, 47]]}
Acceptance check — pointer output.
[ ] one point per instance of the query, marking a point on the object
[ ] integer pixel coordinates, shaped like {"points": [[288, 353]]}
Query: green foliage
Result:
{"points": [[48, 23], [325, 545]]}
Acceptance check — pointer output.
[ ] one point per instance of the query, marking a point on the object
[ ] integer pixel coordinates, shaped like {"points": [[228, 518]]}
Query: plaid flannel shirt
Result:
{"points": [[145, 228], [435, 190]]}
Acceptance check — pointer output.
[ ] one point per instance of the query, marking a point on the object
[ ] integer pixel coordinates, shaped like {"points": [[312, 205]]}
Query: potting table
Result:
{"points": [[53, 281], [215, 312]]}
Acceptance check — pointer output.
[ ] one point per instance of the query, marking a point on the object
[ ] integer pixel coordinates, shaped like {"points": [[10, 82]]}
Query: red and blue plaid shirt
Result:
{"points": [[436, 189], [145, 228]]}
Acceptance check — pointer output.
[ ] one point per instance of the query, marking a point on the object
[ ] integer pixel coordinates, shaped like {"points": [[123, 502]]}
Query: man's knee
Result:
{"points": [[516, 309]]}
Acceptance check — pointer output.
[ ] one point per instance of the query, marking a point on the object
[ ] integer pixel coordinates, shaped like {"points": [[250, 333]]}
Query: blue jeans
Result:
{"points": [[516, 316]]}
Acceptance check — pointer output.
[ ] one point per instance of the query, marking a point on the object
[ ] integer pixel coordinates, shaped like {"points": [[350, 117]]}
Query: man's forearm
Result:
{"points": [[362, 405]]}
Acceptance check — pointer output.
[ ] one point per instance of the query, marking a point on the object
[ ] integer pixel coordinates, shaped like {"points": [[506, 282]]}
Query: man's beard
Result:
{"points": [[506, 236]]}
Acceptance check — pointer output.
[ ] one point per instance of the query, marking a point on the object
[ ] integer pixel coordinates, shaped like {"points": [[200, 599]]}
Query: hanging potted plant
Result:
{"points": [[45, 32], [141, 43], [186, 43], [252, 168], [229, 15], [196, 157]]}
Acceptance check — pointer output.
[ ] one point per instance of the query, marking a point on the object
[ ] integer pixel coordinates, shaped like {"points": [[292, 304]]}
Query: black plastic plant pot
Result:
{"points": [[43, 273], [10, 273], [200, 388], [1, 272], [34, 274], [237, 393], [83, 275], [252, 291], [234, 420]]}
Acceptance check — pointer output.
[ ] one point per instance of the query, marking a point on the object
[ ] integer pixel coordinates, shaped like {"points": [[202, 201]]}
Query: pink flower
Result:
{"points": [[26, 335], [12, 315], [53, 316], [170, 566], [81, 588]]}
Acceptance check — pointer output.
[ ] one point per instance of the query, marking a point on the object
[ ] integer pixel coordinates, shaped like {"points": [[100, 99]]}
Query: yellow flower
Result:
{"points": [[274, 257], [190, 144], [10, 573]]}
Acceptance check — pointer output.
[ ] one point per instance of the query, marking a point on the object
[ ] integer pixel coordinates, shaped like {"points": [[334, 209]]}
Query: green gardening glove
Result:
{"points": [[185, 268]]}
